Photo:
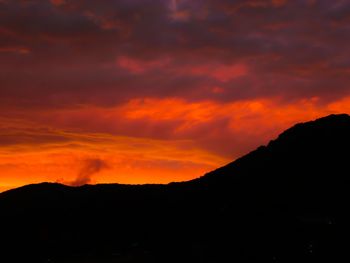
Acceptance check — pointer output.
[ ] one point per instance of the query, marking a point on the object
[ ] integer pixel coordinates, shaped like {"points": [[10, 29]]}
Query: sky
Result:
{"points": [[155, 91]]}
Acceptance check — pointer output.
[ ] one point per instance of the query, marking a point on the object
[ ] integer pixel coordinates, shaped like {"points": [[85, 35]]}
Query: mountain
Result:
{"points": [[288, 201]]}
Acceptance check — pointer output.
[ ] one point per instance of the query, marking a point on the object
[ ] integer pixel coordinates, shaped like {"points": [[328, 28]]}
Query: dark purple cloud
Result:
{"points": [[65, 53]]}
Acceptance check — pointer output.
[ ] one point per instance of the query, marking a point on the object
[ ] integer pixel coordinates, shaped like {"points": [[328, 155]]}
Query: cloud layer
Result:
{"points": [[203, 79]]}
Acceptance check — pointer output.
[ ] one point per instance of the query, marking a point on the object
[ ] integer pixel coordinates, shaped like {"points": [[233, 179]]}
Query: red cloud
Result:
{"points": [[146, 82], [139, 66]]}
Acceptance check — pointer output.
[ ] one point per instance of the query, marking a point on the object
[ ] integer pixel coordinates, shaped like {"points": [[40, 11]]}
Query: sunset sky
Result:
{"points": [[154, 91]]}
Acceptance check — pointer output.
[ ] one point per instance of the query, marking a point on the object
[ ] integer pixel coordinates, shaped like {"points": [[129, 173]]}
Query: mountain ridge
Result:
{"points": [[327, 120], [269, 205]]}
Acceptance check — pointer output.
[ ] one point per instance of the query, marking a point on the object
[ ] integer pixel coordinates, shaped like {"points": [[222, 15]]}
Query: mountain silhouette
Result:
{"points": [[288, 201]]}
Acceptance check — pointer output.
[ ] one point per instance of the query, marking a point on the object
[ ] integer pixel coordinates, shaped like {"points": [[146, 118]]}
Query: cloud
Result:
{"points": [[19, 50], [58, 2], [34, 155], [66, 55], [138, 66], [227, 129], [168, 139], [206, 79]]}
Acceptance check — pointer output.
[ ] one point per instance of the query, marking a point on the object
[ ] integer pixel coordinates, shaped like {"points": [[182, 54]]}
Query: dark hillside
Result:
{"points": [[288, 201]]}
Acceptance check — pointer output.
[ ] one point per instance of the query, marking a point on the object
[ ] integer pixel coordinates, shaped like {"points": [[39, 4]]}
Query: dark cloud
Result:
{"points": [[65, 53]]}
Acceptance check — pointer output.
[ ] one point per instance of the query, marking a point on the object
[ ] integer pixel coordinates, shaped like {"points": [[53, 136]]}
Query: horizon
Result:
{"points": [[184, 181], [143, 92]]}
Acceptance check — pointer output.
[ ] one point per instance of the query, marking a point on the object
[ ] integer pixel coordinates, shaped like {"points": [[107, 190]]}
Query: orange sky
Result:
{"points": [[159, 91], [187, 150]]}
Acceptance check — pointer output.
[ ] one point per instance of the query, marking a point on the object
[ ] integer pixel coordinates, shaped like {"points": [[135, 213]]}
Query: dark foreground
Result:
{"points": [[286, 202]]}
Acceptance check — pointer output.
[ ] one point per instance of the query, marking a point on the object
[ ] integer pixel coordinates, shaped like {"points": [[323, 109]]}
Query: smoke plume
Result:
{"points": [[90, 168]]}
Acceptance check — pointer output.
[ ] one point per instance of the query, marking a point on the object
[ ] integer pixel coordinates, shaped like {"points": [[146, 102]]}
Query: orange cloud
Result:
{"points": [[160, 90], [202, 135], [265, 112], [129, 160]]}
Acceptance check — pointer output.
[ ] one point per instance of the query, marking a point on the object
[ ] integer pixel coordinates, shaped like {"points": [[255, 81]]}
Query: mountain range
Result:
{"points": [[288, 201]]}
